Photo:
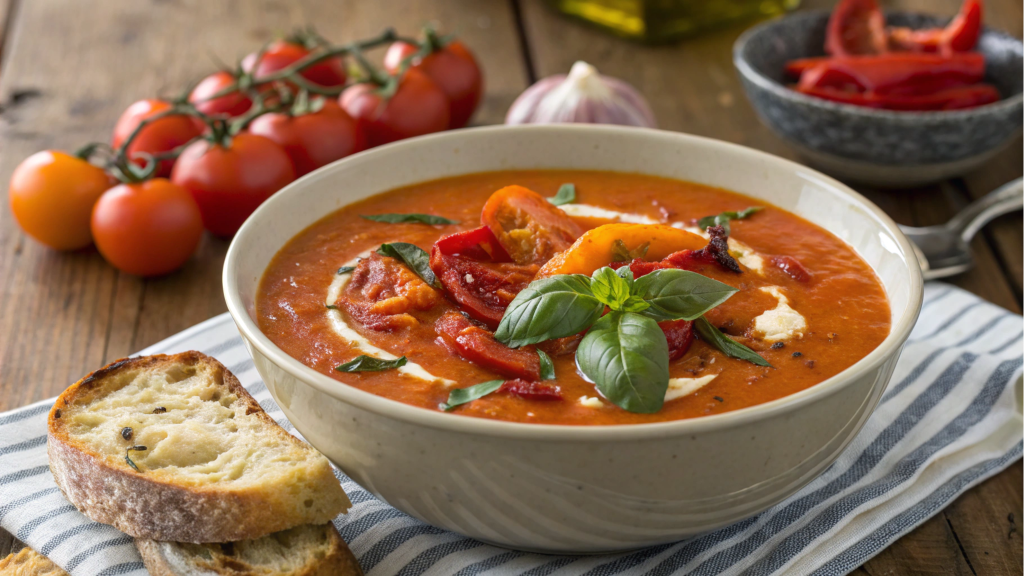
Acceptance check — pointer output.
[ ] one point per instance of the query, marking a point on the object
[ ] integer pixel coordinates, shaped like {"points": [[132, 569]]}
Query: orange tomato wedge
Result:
{"points": [[527, 226], [596, 247]]}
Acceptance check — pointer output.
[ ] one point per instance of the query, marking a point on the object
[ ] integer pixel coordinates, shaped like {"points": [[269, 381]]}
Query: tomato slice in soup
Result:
{"points": [[481, 289], [531, 229], [477, 345]]}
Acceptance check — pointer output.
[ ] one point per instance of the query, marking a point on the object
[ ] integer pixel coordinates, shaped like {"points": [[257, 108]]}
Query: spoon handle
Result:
{"points": [[1006, 198]]}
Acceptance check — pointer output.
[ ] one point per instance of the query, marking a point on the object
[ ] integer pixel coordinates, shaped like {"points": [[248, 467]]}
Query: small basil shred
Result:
{"points": [[414, 257], [409, 218], [330, 306], [128, 458], [713, 336], [622, 253], [724, 218], [566, 195], [366, 363], [346, 269], [460, 396], [547, 368]]}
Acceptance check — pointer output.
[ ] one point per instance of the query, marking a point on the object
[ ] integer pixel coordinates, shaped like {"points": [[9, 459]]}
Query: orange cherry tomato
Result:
{"points": [[418, 107], [52, 195], [161, 135], [315, 139], [147, 229], [232, 104], [280, 54], [453, 68], [230, 182]]}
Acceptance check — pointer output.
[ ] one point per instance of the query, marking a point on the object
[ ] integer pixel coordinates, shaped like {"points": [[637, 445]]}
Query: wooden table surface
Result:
{"points": [[70, 68]]}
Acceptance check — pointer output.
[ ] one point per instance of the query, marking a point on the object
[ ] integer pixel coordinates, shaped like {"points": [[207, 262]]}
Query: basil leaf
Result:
{"points": [[621, 253], [566, 195], [331, 306], [462, 395], [414, 257], [366, 363], [626, 356], [730, 347], [346, 269], [407, 218], [547, 368], [680, 294], [549, 308], [609, 287], [724, 218]]}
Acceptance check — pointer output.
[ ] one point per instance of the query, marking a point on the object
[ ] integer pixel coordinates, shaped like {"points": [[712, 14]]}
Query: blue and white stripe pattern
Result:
{"points": [[950, 418]]}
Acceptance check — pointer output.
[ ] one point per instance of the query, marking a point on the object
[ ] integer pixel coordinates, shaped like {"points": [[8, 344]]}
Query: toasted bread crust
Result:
{"points": [[171, 559], [28, 562], [153, 508]]}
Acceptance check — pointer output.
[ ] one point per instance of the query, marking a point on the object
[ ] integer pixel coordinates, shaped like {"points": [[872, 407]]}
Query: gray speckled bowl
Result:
{"points": [[877, 146]]}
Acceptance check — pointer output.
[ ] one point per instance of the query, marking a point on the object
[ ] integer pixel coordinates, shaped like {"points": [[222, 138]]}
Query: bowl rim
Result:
{"points": [[453, 423], [748, 72]]}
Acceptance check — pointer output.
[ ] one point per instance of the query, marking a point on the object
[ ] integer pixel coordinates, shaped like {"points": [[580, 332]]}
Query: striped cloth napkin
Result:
{"points": [[950, 418]]}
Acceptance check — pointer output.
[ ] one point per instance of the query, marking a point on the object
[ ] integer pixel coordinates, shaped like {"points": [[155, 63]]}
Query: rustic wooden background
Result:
{"points": [[70, 67]]}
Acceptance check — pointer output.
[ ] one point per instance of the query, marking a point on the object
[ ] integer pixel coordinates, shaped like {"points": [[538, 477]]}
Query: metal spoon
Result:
{"points": [[944, 250]]}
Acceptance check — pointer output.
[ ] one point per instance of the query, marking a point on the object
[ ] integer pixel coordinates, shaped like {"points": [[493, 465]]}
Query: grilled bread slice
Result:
{"points": [[301, 551], [172, 448], [28, 562]]}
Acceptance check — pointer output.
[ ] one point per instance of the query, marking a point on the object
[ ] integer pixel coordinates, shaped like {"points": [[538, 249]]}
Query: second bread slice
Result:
{"points": [[173, 448]]}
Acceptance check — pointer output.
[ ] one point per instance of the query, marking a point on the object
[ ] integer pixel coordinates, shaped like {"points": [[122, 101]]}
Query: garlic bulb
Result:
{"points": [[582, 96]]}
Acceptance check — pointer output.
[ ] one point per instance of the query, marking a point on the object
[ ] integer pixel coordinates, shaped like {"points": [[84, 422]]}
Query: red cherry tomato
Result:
{"points": [[453, 69], [148, 229], [313, 140], [232, 104], [418, 107], [52, 195], [229, 183], [281, 54], [855, 27], [161, 135]]}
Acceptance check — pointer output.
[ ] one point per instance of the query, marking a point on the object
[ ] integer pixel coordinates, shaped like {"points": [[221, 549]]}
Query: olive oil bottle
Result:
{"points": [[666, 20]]}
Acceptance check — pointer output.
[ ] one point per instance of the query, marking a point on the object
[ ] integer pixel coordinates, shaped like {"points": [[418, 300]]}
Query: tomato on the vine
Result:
{"points": [[417, 107], [280, 54], [232, 104], [52, 195], [452, 67], [161, 135], [230, 180], [313, 139], [147, 228]]}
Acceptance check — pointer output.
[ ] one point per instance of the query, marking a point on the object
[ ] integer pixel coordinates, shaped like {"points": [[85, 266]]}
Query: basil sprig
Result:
{"points": [[414, 257], [566, 195], [728, 346], [724, 218], [624, 352], [366, 363], [409, 218], [460, 396]]}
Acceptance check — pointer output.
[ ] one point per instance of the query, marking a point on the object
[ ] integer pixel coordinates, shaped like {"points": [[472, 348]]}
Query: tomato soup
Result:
{"points": [[469, 290]]}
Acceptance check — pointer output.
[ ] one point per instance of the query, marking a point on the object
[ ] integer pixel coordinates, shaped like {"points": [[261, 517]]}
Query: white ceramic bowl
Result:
{"points": [[566, 489]]}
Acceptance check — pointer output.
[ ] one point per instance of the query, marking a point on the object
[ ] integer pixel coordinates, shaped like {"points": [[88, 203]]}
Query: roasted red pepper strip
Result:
{"points": [[679, 335], [478, 244], [949, 99], [479, 346], [481, 289], [960, 35], [531, 390], [796, 68], [909, 74], [855, 27]]}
